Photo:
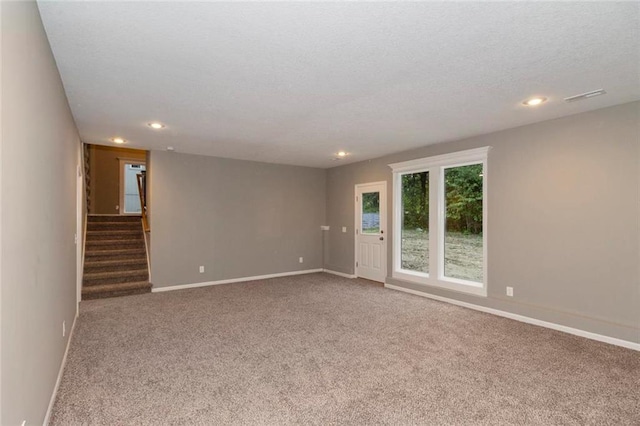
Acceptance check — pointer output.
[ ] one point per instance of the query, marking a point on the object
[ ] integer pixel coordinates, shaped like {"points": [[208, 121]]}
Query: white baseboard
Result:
{"points": [[522, 318], [234, 280], [52, 401], [340, 274]]}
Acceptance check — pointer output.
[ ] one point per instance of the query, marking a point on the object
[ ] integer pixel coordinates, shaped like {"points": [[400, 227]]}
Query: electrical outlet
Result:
{"points": [[301, 260], [64, 328], [510, 291], [344, 229], [202, 269]]}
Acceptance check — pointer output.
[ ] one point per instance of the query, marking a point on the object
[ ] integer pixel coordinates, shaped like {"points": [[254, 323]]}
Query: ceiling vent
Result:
{"points": [[585, 95]]}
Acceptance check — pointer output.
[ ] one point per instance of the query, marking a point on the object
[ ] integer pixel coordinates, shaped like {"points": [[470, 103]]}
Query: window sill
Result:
{"points": [[461, 286]]}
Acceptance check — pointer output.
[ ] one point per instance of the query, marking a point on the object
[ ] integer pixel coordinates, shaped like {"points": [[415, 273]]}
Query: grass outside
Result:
{"points": [[462, 254], [375, 230]]}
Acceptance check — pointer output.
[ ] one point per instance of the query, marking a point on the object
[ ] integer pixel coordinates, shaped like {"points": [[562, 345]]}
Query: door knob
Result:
{"points": [[381, 238]]}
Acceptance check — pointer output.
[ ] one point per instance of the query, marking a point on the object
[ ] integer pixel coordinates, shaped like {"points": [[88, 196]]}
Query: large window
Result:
{"points": [[414, 252], [440, 221], [463, 197]]}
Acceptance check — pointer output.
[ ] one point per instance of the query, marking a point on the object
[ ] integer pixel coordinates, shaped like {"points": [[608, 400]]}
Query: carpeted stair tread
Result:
{"points": [[115, 264], [123, 273], [128, 243], [116, 226], [115, 222], [113, 218], [115, 252], [115, 277], [103, 232], [114, 234], [115, 290]]}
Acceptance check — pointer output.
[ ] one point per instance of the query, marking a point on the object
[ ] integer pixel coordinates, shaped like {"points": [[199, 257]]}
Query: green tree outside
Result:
{"points": [[463, 189]]}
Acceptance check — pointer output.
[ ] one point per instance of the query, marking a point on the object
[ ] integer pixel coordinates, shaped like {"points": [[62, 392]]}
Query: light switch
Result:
{"points": [[344, 229]]}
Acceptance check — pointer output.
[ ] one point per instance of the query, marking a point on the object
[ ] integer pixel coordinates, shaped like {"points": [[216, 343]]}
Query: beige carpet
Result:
{"points": [[319, 349]]}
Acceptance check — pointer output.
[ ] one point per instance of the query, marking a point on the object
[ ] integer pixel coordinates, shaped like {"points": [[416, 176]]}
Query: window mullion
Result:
{"points": [[434, 219], [397, 221]]}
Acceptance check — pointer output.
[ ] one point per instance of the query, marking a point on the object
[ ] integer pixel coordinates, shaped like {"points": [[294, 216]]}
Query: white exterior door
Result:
{"points": [[371, 235]]}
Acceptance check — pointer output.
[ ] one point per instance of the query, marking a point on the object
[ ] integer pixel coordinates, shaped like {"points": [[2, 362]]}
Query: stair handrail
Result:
{"points": [[143, 202]]}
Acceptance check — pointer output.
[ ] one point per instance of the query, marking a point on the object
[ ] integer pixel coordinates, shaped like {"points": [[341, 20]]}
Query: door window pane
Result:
{"points": [[415, 222], [370, 213], [463, 254], [131, 194]]}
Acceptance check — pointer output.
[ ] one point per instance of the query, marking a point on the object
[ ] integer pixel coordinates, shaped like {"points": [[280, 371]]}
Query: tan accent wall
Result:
{"points": [[105, 176]]}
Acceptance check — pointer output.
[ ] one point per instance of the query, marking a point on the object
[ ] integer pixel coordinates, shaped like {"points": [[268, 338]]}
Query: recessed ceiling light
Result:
{"points": [[170, 148], [117, 140], [534, 101], [156, 125], [341, 154]]}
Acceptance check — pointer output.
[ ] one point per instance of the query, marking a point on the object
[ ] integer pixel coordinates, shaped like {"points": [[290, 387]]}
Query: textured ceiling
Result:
{"points": [[294, 83]]}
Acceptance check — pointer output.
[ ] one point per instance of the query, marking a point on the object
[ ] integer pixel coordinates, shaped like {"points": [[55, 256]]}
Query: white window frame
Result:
{"points": [[436, 166]]}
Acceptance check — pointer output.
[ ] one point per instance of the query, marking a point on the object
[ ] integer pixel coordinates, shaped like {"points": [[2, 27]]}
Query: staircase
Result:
{"points": [[115, 259]]}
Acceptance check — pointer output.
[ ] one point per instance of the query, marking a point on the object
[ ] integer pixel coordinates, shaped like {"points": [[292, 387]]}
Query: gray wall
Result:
{"points": [[237, 218], [40, 151], [105, 176], [563, 219]]}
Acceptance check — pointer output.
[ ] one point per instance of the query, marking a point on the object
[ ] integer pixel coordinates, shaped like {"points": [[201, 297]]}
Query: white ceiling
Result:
{"points": [[293, 83]]}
